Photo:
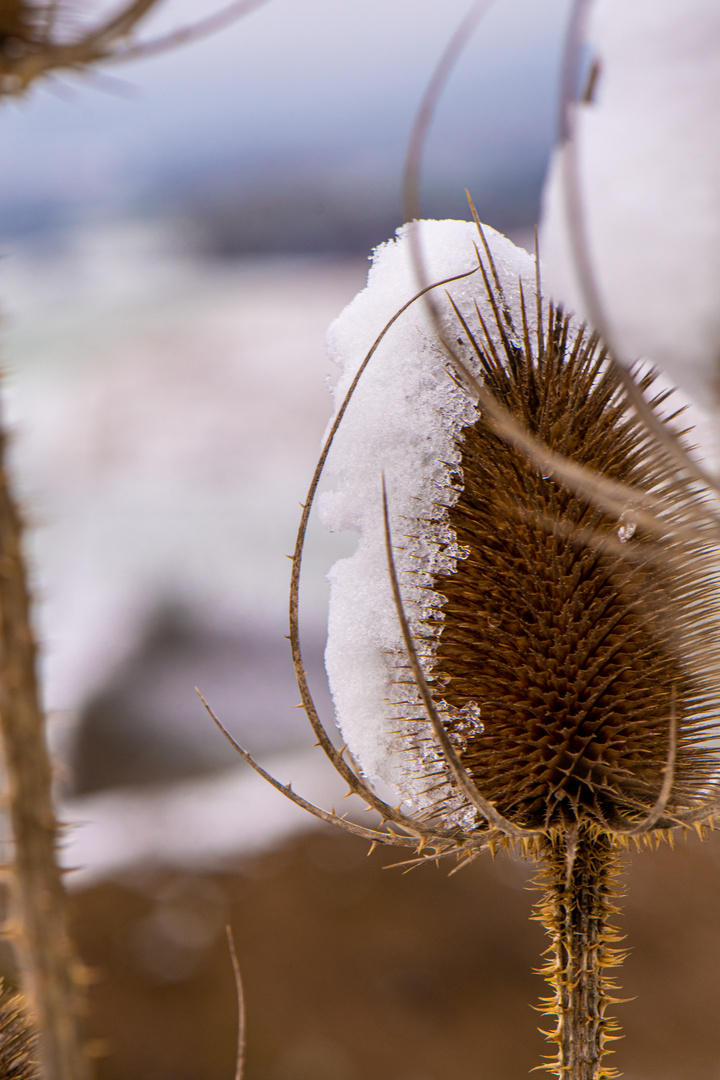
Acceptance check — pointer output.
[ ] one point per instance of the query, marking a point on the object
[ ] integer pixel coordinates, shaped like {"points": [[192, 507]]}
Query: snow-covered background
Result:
{"points": [[637, 189], [166, 418]]}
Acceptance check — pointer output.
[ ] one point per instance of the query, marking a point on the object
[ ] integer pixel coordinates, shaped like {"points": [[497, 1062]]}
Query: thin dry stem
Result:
{"points": [[187, 34], [374, 835], [241, 1039]]}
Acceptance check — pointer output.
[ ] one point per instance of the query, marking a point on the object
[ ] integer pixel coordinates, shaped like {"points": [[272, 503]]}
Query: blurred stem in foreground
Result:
{"points": [[38, 922], [33, 43]]}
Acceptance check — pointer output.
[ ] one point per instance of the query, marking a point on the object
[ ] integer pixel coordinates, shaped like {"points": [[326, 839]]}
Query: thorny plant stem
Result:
{"points": [[39, 916], [578, 872]]}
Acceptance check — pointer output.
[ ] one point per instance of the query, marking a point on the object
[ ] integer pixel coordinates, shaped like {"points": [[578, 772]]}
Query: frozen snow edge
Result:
{"points": [[402, 423]]}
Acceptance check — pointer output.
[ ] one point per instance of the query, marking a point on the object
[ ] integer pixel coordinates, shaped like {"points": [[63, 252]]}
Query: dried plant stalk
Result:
{"points": [[575, 911], [39, 911]]}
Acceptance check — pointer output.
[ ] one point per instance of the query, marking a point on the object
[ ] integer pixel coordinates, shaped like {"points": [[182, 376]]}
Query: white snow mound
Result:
{"points": [[402, 422]]}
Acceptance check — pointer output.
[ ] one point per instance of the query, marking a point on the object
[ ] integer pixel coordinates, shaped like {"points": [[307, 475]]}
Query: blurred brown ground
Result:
{"points": [[353, 970]]}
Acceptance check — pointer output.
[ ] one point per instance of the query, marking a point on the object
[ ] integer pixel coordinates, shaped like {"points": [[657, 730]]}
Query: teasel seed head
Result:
{"points": [[572, 633], [525, 641], [570, 650]]}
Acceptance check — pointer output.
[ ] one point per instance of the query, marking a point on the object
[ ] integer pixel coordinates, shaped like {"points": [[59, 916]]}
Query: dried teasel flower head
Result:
{"points": [[40, 36], [524, 643], [569, 649]]}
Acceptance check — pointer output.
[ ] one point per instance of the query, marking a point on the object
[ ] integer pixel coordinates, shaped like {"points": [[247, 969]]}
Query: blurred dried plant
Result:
{"points": [[38, 37], [18, 1038]]}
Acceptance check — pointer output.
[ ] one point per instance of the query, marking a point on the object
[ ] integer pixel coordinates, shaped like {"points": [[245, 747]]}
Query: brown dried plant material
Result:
{"points": [[576, 634], [38, 37], [565, 701], [41, 36], [18, 1039], [34, 39]]}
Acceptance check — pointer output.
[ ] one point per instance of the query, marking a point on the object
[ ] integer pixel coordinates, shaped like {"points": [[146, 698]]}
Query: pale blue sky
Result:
{"points": [[296, 83]]}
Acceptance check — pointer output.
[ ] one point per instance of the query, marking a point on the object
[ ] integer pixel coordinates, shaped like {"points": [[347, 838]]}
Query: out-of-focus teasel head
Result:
{"points": [[38, 37], [18, 1039]]}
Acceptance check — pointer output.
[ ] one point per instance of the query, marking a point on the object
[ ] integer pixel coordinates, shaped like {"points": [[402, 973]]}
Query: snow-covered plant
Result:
{"points": [[523, 644]]}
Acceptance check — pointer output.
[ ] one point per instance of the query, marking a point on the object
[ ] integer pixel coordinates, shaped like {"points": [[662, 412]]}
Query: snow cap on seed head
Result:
{"points": [[402, 422]]}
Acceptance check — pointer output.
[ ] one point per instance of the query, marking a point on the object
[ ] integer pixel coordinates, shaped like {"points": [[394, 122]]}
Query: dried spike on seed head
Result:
{"points": [[587, 646], [18, 1039]]}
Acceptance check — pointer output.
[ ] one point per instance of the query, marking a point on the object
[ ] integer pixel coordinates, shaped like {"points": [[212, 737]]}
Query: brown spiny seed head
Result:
{"points": [[572, 636], [18, 1039]]}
